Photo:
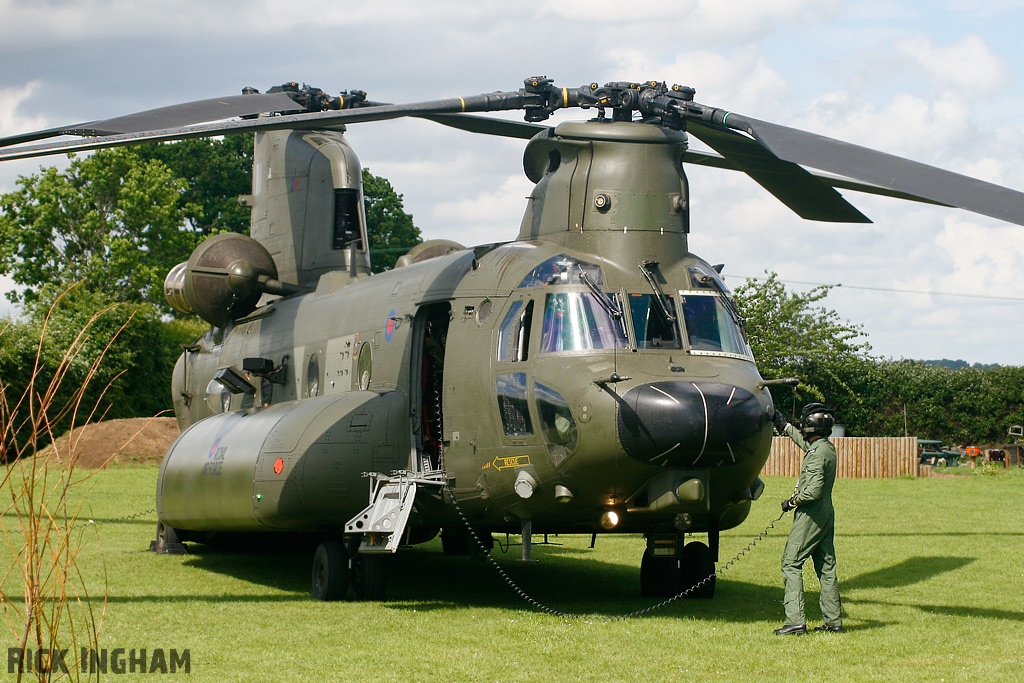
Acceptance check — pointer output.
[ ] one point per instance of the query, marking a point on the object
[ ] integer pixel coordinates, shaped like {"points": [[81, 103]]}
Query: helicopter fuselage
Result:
{"points": [[535, 400], [591, 376]]}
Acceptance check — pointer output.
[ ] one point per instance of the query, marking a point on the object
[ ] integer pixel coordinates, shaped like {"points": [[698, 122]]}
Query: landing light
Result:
{"points": [[682, 521], [609, 519], [524, 485]]}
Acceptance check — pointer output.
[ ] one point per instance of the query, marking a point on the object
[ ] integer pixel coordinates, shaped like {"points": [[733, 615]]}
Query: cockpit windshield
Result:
{"points": [[653, 330], [577, 321], [710, 328]]}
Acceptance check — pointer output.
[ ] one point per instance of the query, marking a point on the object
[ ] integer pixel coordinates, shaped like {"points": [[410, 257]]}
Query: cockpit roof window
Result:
{"points": [[562, 270]]}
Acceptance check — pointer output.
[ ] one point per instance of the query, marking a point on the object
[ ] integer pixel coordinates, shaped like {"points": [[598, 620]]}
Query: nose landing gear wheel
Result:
{"points": [[696, 566], [659, 576]]}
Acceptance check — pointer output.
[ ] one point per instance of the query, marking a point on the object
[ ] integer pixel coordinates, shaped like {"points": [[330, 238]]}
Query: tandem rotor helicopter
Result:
{"points": [[591, 376]]}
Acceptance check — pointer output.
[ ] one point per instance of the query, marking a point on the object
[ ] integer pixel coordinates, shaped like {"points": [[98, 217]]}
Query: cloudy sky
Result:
{"points": [[938, 82]]}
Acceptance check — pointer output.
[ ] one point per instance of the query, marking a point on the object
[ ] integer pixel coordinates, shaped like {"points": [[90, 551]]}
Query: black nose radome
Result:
{"points": [[683, 424]]}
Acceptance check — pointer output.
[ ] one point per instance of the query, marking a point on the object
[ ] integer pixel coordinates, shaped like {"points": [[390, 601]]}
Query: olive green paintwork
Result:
{"points": [[372, 372]]}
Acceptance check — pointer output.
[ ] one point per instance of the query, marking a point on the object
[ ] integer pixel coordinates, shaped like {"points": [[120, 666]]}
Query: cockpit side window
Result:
{"points": [[513, 405], [578, 321], [710, 328], [514, 333], [556, 423]]}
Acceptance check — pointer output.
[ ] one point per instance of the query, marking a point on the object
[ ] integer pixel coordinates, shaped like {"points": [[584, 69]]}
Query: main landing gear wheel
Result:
{"points": [[168, 540], [330, 571], [697, 565], [336, 568], [369, 578], [455, 540]]}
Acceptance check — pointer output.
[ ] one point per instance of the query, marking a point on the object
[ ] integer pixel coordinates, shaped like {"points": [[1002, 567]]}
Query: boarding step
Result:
{"points": [[382, 523]]}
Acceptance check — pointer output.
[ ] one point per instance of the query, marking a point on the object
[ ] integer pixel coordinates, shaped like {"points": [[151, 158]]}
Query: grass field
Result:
{"points": [[931, 574]]}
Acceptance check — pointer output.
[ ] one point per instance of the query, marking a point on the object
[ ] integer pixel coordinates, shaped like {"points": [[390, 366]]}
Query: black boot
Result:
{"points": [[791, 630]]}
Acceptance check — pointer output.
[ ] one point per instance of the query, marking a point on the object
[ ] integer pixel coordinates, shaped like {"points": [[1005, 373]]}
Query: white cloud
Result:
{"points": [[968, 65], [487, 216], [936, 85], [11, 119], [738, 22]]}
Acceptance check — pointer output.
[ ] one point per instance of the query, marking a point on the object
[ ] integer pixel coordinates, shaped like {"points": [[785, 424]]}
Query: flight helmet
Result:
{"points": [[816, 420]]}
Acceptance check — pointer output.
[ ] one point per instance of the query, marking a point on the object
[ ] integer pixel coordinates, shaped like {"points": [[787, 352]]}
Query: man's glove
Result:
{"points": [[788, 505], [780, 422]]}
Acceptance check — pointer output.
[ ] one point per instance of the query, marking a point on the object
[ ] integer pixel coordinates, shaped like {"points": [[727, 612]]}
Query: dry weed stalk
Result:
{"points": [[55, 612]]}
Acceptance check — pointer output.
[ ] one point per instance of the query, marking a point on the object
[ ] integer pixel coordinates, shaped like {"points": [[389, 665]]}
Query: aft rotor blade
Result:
{"points": [[791, 184], [886, 170], [498, 101], [173, 116]]}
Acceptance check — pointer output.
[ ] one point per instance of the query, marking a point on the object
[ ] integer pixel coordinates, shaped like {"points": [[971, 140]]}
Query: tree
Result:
{"points": [[112, 221], [65, 340], [791, 335], [390, 228], [120, 219], [216, 173]]}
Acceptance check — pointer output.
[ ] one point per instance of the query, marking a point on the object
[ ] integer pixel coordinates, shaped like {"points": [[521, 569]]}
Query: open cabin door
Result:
{"points": [[430, 334]]}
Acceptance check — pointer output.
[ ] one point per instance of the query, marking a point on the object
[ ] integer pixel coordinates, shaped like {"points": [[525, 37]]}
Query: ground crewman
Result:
{"points": [[813, 522]]}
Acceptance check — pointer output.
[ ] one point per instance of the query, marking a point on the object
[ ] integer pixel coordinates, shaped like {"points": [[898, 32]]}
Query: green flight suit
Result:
{"points": [[813, 532]]}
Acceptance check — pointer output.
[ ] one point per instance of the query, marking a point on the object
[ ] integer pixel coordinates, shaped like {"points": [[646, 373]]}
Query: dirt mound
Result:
{"points": [[137, 440]]}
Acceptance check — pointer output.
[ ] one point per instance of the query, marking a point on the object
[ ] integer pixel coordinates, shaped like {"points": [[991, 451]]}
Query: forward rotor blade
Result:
{"points": [[885, 170], [487, 125], [716, 161], [791, 184], [173, 116]]}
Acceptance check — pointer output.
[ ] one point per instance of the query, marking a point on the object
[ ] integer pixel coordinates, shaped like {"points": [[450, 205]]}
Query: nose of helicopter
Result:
{"points": [[684, 424]]}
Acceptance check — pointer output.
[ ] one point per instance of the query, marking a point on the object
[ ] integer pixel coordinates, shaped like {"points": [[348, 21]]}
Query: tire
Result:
{"points": [[330, 571], [455, 541], [696, 566], [168, 540], [370, 579], [659, 576]]}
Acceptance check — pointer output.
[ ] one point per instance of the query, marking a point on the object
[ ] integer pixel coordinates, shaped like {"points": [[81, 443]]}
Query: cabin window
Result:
{"points": [[710, 327], [514, 333], [578, 321], [313, 376], [218, 398], [653, 330], [513, 405], [364, 366], [556, 423]]}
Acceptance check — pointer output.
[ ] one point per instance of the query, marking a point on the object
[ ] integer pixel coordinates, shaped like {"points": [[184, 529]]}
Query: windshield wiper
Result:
{"points": [[659, 296], [730, 305], [603, 299]]}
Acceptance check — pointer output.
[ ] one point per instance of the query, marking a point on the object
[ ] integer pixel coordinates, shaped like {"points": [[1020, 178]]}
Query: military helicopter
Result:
{"points": [[590, 376]]}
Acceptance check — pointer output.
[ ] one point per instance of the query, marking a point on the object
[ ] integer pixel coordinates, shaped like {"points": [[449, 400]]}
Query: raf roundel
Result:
{"points": [[392, 323]]}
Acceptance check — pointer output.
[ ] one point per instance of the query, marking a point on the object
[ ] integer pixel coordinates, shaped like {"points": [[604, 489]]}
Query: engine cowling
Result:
{"points": [[220, 280]]}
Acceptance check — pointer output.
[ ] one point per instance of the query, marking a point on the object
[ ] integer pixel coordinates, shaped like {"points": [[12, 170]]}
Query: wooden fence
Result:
{"points": [[859, 458]]}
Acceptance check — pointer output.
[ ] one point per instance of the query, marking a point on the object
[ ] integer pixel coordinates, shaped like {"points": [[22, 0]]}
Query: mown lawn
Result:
{"points": [[930, 572]]}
